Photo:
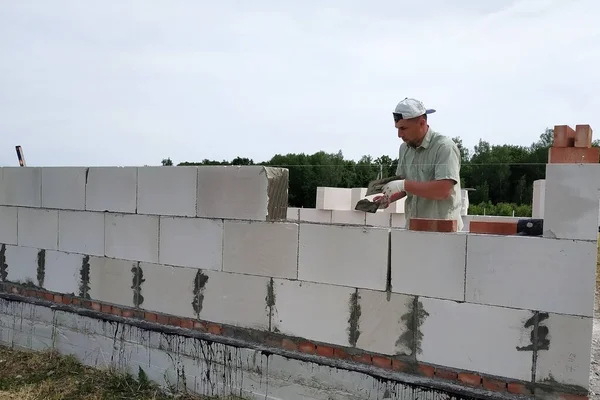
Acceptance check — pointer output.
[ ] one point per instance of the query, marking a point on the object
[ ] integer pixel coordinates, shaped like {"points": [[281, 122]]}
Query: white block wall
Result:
{"points": [[162, 231]]}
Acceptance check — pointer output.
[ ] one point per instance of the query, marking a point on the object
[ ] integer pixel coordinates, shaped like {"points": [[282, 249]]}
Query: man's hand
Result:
{"points": [[393, 188], [383, 200]]}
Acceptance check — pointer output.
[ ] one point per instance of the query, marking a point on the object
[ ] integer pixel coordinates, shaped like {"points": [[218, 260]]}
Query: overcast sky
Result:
{"points": [[132, 82]]}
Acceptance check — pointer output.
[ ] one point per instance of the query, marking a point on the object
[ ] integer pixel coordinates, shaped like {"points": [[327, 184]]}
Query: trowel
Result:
{"points": [[374, 187]]}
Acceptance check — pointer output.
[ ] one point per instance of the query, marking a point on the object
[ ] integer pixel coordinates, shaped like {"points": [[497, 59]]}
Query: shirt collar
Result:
{"points": [[427, 139]]}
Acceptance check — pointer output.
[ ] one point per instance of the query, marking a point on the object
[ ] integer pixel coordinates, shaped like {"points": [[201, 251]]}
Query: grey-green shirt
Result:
{"points": [[436, 158]]}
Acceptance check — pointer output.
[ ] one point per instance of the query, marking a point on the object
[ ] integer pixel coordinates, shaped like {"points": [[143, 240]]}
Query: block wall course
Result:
{"points": [[314, 215], [64, 187], [343, 255], [111, 281], [350, 217], [496, 276], [167, 191], [62, 272], [381, 218], [20, 264], [439, 273], [573, 155], [191, 242], [261, 248], [111, 189], [433, 225]]}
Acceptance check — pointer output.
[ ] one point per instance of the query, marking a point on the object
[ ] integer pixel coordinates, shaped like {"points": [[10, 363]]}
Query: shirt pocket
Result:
{"points": [[426, 170]]}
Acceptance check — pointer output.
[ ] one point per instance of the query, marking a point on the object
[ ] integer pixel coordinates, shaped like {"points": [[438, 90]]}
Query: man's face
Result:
{"points": [[411, 130]]}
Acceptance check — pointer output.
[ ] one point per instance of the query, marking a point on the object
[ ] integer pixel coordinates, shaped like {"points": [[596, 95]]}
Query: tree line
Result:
{"points": [[501, 176]]}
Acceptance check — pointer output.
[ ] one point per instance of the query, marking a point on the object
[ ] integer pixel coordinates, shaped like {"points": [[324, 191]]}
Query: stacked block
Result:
{"points": [[213, 250], [573, 146]]}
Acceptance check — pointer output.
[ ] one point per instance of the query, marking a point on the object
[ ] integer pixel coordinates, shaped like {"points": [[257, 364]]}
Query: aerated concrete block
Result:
{"points": [[316, 311], [38, 228], [8, 225], [333, 198], [242, 192], [64, 187], [113, 281], [343, 255], [564, 351], [111, 189], [349, 217], [528, 272], [21, 264], [81, 232], [261, 248], [571, 202], [467, 336], [131, 237], [191, 242], [167, 191], [417, 269], [314, 215], [21, 186], [62, 272]]}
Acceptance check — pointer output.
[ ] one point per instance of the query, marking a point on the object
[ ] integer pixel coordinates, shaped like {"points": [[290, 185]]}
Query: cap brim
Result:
{"points": [[430, 111]]}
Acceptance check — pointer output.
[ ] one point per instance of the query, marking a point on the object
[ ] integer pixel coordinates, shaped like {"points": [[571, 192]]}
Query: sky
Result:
{"points": [[95, 83]]}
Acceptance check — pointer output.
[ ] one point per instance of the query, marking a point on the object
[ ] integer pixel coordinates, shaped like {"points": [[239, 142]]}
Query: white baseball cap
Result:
{"points": [[410, 108]]}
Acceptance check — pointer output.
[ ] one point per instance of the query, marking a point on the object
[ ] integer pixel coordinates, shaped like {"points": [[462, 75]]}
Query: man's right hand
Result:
{"points": [[383, 200]]}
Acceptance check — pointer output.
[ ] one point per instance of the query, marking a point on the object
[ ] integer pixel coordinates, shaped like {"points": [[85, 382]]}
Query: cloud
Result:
{"points": [[132, 82]]}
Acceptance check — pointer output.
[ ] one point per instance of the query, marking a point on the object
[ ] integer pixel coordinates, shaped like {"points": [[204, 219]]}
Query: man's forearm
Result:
{"points": [[433, 190], [397, 196]]}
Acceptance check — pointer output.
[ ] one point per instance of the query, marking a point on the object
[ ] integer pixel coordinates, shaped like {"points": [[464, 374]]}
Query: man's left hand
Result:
{"points": [[393, 188]]}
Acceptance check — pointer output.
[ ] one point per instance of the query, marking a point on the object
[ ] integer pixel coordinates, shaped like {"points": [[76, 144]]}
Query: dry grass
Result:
{"points": [[49, 376]]}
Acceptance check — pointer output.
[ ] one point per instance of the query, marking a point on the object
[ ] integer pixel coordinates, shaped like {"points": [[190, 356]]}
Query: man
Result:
{"points": [[430, 166]]}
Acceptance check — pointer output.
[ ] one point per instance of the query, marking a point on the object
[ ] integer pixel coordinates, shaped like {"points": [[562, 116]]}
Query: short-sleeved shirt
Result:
{"points": [[436, 158]]}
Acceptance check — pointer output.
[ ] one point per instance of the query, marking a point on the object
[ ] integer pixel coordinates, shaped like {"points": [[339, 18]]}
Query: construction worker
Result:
{"points": [[429, 164]]}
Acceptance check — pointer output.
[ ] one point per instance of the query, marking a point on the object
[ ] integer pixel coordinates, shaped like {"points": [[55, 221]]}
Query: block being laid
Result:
{"points": [[573, 155], [563, 355], [319, 312], [38, 228], [111, 189], [167, 191], [131, 237], [343, 255], [64, 187], [242, 192], [21, 186], [467, 336], [506, 270], [334, 198], [419, 271], [572, 201], [261, 248]]}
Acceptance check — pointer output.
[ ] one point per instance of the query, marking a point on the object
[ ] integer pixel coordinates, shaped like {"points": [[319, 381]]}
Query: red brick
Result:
{"points": [[426, 370], [152, 317], [469, 379], [288, 344], [215, 329], [493, 227], [307, 347], [186, 323], [433, 225], [48, 296], [76, 301], [341, 354], [382, 362], [564, 136], [57, 298], [566, 396], [174, 321], [583, 136], [398, 365], [67, 299], [106, 308], [127, 313], [200, 326], [162, 319], [446, 374], [116, 311], [573, 155], [494, 385], [363, 358], [518, 388], [96, 306], [325, 351]]}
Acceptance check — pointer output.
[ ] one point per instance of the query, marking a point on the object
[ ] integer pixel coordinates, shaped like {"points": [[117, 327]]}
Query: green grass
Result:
{"points": [[49, 376]]}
